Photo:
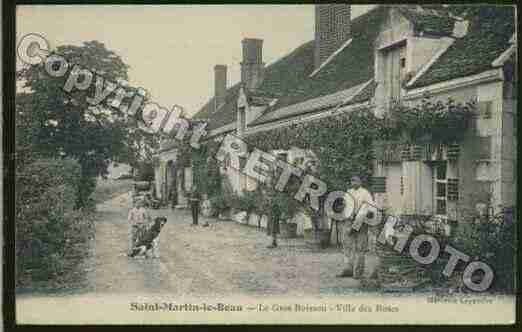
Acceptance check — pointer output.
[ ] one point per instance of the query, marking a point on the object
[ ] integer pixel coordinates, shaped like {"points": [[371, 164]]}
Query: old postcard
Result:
{"points": [[266, 164]]}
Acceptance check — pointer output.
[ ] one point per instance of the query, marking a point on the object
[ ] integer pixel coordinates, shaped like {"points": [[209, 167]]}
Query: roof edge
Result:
{"points": [[489, 75], [306, 118], [504, 56], [330, 58], [331, 108], [428, 64]]}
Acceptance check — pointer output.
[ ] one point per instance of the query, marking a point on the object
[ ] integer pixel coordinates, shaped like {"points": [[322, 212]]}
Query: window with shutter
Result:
{"points": [[378, 184], [483, 147], [453, 190]]}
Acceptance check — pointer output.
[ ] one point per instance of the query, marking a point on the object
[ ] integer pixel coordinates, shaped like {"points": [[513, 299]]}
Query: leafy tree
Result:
{"points": [[53, 123]]}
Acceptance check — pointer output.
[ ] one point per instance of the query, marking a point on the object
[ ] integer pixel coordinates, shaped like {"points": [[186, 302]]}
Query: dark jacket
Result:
{"points": [[273, 213], [194, 197]]}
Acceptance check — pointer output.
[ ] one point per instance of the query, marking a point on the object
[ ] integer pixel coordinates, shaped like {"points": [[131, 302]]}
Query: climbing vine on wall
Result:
{"points": [[441, 122], [206, 169], [343, 143]]}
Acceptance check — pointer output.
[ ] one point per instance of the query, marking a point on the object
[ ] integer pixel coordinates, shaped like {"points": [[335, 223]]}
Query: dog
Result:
{"points": [[146, 239]]}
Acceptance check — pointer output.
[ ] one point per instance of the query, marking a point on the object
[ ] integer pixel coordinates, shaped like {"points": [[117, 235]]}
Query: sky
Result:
{"points": [[172, 49]]}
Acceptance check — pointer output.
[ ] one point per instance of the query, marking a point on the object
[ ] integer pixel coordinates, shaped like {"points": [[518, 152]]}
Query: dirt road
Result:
{"points": [[223, 259]]}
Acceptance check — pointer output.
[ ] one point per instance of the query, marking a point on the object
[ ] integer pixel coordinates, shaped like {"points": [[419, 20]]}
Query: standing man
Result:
{"points": [[273, 214], [355, 242], [194, 199]]}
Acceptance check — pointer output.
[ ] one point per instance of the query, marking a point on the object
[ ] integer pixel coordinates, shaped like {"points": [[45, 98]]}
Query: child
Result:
{"points": [[139, 220]]}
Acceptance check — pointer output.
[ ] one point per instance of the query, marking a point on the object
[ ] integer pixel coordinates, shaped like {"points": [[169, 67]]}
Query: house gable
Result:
{"points": [[487, 38]]}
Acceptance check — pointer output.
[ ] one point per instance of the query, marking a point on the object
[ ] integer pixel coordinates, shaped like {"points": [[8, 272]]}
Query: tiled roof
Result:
{"points": [[340, 98], [280, 76], [259, 98], [288, 79], [225, 114], [429, 22], [487, 38], [354, 65], [285, 74]]}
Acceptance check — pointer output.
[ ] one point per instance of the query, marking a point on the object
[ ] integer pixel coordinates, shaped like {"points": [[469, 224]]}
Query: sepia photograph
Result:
{"points": [[295, 164]]}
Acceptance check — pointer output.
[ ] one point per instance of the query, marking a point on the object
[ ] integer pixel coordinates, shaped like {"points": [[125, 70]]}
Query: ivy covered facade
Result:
{"points": [[410, 100]]}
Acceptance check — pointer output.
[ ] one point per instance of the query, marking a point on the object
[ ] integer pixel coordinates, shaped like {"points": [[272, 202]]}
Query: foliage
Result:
{"points": [[266, 200], [397, 268], [206, 170], [340, 143], [145, 171], [219, 203], [248, 201], [46, 222], [52, 123], [491, 239], [445, 122]]}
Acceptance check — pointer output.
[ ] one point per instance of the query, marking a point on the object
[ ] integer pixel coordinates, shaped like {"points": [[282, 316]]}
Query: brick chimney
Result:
{"points": [[220, 85], [332, 30], [252, 66]]}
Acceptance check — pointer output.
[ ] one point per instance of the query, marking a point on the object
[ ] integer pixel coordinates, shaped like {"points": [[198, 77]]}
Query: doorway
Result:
{"points": [[171, 184]]}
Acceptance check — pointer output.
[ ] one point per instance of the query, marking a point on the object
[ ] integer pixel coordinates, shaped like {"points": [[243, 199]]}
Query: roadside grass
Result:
{"points": [[108, 189], [71, 269]]}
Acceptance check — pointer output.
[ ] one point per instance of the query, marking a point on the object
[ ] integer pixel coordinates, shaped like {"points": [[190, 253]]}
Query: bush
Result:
{"points": [[46, 221], [86, 187], [279, 204], [248, 201], [219, 204], [491, 239]]}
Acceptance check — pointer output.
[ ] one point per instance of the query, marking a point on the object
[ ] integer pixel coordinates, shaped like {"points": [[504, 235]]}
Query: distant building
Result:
{"points": [[116, 170]]}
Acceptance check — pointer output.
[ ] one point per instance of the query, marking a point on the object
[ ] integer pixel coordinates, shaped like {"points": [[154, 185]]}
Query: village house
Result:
{"points": [[391, 53]]}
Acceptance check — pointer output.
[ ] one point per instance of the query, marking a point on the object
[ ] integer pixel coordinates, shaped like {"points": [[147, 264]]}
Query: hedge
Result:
{"points": [[46, 220]]}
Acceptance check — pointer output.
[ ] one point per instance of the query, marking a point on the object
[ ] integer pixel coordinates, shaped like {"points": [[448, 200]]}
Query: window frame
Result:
{"points": [[442, 181]]}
